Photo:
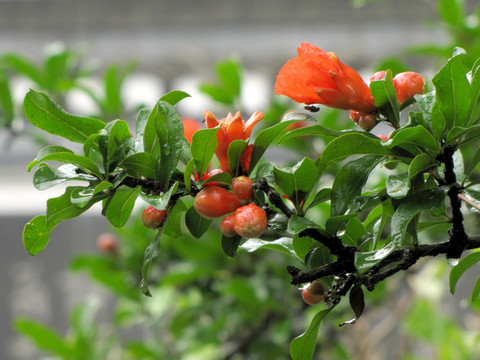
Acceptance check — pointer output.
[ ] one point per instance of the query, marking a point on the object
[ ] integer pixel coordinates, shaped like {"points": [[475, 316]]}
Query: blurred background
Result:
{"points": [[150, 48]]}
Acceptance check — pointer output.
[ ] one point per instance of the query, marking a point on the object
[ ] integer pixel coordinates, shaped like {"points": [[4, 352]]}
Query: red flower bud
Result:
{"points": [[242, 187], [107, 243], [407, 85], [313, 293], [227, 226], [153, 218], [213, 201], [250, 221]]}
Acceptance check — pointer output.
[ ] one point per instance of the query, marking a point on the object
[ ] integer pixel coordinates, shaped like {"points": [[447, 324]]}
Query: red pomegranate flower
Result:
{"points": [[317, 77], [232, 128]]}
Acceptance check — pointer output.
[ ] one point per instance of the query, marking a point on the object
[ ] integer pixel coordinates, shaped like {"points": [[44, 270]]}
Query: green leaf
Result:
{"points": [[463, 265], [44, 337], [46, 177], [453, 90], [303, 346], [36, 235], [385, 97], [51, 149], [169, 130], [297, 181], [140, 164], [174, 97], [283, 245], [151, 252], [61, 208], [119, 207], [235, 151], [80, 161], [81, 197], [45, 114], [476, 290], [398, 185], [24, 67], [297, 224], [161, 202], [264, 138], [114, 143], [420, 164], [302, 245], [173, 226], [140, 123], [223, 178], [349, 182], [314, 130], [7, 108], [410, 207], [364, 261], [416, 135], [452, 12], [217, 93], [321, 196], [351, 144], [204, 144], [230, 75], [196, 224], [230, 245]]}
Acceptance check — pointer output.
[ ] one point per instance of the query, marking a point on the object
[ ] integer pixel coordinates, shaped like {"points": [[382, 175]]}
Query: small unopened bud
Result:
{"points": [[367, 121]]}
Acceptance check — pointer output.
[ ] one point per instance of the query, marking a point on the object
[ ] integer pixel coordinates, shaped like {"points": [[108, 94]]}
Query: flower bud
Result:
{"points": [[153, 218], [213, 201], [250, 221]]}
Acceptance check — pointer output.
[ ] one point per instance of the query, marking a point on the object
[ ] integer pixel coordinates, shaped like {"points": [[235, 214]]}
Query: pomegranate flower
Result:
{"points": [[232, 128], [317, 77], [190, 126]]}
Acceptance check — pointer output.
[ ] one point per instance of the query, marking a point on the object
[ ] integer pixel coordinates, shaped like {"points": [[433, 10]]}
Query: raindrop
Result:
{"points": [[453, 261], [166, 149]]}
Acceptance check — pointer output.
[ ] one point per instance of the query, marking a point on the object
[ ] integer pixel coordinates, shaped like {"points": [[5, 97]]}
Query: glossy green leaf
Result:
{"points": [[217, 93], [151, 252], [453, 90], [336, 223], [364, 261], [320, 197], [297, 224], [314, 130], [410, 207], [46, 177], [61, 208], [82, 162], [204, 144], [463, 265], [36, 235], [81, 197], [25, 67], [45, 114], [174, 97], [197, 224], [354, 230], [44, 337], [349, 182], [351, 144], [230, 75], [385, 97], [162, 201], [140, 165], [297, 181], [302, 245], [420, 164], [173, 225], [264, 138], [230, 245], [398, 185], [283, 245], [114, 143], [50, 149], [119, 207], [303, 346], [140, 123], [223, 178], [169, 131], [235, 151], [416, 135]]}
